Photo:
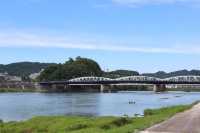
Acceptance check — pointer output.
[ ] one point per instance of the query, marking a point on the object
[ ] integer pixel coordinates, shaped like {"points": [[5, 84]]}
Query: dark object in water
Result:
{"points": [[164, 98], [132, 102], [178, 96]]}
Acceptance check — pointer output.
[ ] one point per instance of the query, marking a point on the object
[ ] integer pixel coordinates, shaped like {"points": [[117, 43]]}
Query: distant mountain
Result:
{"points": [[162, 74], [120, 73], [23, 68]]}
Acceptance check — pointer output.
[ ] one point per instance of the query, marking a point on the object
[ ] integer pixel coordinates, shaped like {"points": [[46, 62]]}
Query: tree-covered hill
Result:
{"points": [[23, 68], [72, 68]]}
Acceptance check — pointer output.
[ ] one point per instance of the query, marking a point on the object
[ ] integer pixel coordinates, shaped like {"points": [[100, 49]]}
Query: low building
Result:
{"points": [[6, 77]]}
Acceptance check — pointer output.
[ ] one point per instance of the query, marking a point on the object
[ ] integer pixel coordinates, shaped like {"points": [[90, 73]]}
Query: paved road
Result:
{"points": [[186, 122]]}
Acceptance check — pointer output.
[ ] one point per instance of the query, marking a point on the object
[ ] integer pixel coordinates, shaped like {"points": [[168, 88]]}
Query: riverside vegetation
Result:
{"points": [[76, 124]]}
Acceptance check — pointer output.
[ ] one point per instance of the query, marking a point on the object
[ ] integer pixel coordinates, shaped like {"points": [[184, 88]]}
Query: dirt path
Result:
{"points": [[186, 122]]}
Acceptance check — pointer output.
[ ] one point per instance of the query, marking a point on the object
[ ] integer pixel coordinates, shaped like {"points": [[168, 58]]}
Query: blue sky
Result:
{"points": [[143, 35]]}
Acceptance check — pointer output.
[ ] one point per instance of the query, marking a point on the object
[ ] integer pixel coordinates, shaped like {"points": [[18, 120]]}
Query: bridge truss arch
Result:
{"points": [[188, 78], [138, 78], [90, 79]]}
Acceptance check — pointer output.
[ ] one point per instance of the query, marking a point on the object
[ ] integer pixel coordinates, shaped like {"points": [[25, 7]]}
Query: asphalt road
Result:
{"points": [[185, 122]]}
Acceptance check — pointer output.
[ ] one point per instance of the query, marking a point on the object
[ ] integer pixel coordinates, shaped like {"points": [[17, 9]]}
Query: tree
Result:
{"points": [[46, 75]]}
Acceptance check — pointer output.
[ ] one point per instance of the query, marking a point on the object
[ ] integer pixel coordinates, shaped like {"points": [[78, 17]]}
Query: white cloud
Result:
{"points": [[18, 39], [155, 2]]}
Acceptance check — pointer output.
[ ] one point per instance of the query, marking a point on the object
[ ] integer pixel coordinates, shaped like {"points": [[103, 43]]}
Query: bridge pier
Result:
{"points": [[159, 88], [102, 88], [54, 86], [106, 88]]}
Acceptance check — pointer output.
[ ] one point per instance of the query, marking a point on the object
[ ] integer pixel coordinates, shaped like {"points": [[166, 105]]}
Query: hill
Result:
{"points": [[78, 67], [23, 68], [162, 74], [120, 73]]}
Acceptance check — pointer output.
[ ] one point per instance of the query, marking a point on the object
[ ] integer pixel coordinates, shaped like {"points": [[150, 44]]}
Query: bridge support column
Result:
{"points": [[23, 87], [159, 88], [102, 88], [54, 87], [106, 88], [65, 87]]}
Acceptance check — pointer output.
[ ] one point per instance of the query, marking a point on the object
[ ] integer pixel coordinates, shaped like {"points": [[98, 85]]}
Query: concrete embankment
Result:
{"points": [[19, 86], [36, 87]]}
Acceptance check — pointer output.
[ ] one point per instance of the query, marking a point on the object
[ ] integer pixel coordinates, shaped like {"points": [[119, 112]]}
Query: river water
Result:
{"points": [[22, 106]]}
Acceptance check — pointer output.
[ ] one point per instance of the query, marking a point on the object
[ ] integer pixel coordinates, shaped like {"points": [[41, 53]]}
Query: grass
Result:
{"points": [[76, 124]]}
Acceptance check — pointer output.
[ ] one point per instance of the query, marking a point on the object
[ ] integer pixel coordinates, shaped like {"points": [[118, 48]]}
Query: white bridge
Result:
{"points": [[159, 84]]}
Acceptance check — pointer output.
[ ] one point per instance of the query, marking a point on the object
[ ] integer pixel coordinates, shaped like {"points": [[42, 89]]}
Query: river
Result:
{"points": [[22, 106]]}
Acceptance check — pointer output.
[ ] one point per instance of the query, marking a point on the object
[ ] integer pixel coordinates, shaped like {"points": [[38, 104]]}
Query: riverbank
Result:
{"points": [[75, 124], [71, 89], [184, 89], [15, 90]]}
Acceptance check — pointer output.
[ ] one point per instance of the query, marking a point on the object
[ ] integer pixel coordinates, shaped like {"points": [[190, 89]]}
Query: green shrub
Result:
{"points": [[148, 112], [106, 127], [122, 121], [77, 127]]}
